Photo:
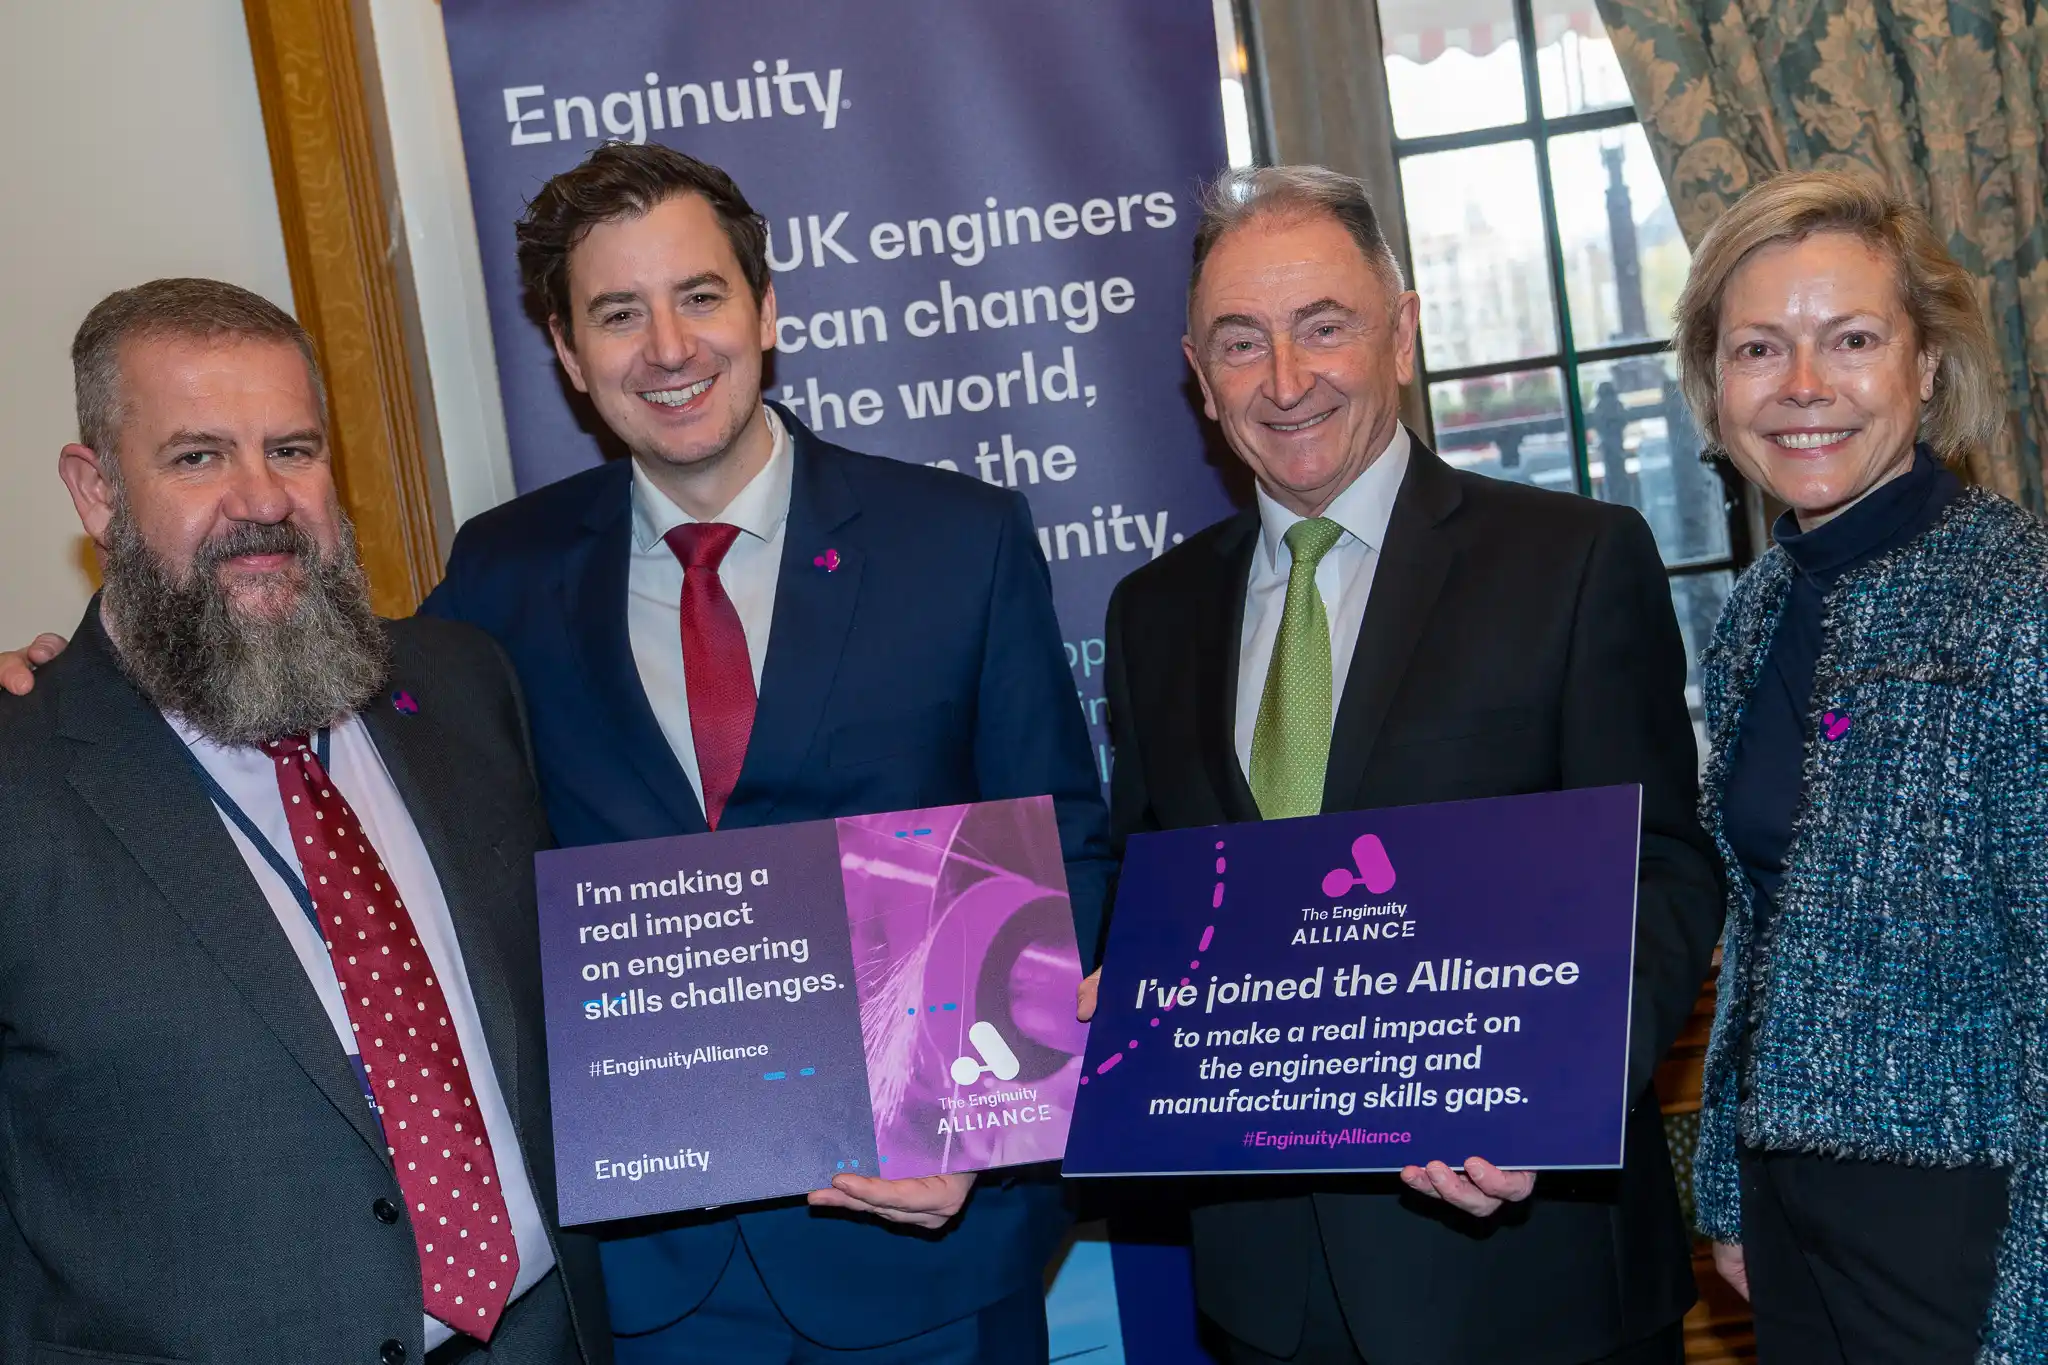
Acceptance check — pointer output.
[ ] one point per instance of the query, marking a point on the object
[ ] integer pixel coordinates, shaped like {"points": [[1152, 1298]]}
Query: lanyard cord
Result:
{"points": [[294, 878]]}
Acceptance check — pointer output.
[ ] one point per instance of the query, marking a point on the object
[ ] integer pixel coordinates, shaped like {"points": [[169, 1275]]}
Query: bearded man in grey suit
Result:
{"points": [[272, 1077]]}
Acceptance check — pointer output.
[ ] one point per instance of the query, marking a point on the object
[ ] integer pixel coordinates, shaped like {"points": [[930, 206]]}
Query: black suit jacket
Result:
{"points": [[188, 1171], [1514, 641]]}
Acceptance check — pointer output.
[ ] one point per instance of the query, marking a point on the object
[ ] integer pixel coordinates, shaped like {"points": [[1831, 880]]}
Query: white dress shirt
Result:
{"points": [[1343, 580], [249, 776], [654, 587]]}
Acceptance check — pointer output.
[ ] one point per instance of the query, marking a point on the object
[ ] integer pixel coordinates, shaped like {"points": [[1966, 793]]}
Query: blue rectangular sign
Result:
{"points": [[743, 1015], [1369, 990]]}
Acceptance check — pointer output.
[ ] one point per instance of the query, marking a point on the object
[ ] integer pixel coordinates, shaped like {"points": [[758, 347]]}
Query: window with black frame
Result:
{"points": [[1548, 260]]}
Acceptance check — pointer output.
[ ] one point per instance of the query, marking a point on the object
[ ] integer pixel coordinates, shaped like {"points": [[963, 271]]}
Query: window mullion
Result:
{"points": [[1618, 117], [1532, 86]]}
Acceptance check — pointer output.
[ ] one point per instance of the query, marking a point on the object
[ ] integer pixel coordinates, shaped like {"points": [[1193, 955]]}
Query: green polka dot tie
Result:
{"points": [[1291, 742]]}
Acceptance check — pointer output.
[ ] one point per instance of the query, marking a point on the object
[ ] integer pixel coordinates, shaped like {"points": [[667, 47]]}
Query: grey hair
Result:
{"points": [[1239, 196], [206, 310]]}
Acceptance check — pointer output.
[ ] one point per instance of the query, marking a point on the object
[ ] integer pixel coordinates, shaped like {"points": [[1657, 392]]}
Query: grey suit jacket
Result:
{"points": [[187, 1169]]}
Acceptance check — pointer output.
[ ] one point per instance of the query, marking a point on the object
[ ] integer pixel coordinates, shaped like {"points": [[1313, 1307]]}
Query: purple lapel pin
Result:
{"points": [[402, 702], [1834, 726], [827, 561]]}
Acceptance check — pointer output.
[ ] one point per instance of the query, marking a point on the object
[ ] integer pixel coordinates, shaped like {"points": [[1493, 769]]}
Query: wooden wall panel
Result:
{"points": [[314, 83]]}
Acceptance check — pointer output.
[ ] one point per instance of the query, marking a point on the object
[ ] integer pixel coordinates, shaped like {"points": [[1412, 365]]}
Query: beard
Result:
{"points": [[238, 677]]}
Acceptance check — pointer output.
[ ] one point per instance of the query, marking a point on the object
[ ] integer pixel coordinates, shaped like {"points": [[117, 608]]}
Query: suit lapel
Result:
{"points": [[1216, 648], [137, 777], [1405, 584], [462, 831], [596, 584], [814, 609]]}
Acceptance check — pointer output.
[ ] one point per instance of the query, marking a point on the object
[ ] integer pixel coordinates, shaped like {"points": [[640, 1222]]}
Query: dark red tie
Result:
{"points": [[468, 1258], [716, 667]]}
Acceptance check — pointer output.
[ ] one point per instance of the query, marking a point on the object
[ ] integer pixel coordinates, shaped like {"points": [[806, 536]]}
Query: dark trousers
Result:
{"points": [[1326, 1340], [740, 1325], [1868, 1262]]}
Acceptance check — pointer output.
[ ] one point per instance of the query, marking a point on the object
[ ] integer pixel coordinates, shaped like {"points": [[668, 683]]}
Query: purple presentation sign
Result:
{"points": [[980, 220], [1369, 990], [743, 1015]]}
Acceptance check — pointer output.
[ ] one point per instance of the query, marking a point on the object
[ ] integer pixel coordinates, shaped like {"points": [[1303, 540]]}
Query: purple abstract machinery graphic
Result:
{"points": [[965, 962]]}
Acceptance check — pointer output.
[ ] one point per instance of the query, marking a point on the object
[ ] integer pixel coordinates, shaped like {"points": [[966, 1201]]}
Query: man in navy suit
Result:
{"points": [[745, 625]]}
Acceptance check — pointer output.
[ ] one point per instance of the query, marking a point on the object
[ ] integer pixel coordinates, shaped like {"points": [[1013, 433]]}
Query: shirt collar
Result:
{"points": [[1363, 509], [759, 509], [201, 743]]}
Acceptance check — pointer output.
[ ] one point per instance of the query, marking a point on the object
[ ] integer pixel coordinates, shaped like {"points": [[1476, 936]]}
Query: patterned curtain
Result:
{"points": [[1947, 99]]}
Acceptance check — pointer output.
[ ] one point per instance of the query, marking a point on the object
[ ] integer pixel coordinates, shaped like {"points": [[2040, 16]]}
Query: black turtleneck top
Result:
{"points": [[1764, 771]]}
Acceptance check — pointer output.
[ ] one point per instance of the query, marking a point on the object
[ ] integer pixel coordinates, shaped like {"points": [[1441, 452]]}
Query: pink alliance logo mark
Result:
{"points": [[1375, 869], [828, 561], [1834, 726]]}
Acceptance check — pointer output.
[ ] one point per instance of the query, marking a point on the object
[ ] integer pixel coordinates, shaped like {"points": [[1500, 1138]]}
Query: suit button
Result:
{"points": [[392, 1352], [386, 1211]]}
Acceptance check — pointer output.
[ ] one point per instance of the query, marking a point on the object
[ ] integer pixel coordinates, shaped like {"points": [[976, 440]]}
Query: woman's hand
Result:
{"points": [[1728, 1261]]}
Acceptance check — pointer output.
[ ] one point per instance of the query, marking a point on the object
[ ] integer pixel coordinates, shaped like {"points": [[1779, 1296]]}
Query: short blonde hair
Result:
{"points": [[1968, 406]]}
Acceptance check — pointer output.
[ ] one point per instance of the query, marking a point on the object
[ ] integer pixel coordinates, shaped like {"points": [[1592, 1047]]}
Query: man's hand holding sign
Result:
{"points": [[1480, 1188]]}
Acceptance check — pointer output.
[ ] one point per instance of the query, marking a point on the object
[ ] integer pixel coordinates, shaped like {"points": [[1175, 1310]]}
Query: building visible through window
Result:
{"points": [[1548, 260]]}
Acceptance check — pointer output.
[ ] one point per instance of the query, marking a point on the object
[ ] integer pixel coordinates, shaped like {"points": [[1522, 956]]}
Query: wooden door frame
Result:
{"points": [[323, 118]]}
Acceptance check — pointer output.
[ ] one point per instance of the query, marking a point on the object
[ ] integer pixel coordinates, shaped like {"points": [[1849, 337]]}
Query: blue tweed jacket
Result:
{"points": [[1896, 1004]]}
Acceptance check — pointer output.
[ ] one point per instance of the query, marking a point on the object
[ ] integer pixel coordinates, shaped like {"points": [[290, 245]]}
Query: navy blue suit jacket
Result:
{"points": [[927, 669]]}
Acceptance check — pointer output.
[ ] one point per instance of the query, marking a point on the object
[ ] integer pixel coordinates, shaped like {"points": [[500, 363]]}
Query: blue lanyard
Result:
{"points": [[293, 877]]}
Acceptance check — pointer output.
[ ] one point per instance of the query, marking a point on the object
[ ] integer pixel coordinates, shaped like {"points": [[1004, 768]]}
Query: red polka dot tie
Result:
{"points": [[718, 673], [432, 1128]]}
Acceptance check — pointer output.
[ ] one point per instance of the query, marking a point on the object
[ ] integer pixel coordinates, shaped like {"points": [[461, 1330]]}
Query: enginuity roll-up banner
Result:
{"points": [[980, 218]]}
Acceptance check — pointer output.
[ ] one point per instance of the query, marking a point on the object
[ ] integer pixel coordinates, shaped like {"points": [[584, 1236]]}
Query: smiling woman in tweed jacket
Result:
{"points": [[1871, 1160]]}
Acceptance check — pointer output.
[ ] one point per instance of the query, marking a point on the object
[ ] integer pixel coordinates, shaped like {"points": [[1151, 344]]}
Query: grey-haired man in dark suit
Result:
{"points": [[1383, 629]]}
